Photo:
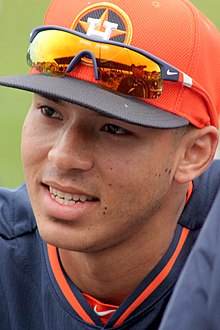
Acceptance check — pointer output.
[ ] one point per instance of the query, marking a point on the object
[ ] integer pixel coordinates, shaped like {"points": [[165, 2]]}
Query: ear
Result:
{"points": [[198, 147]]}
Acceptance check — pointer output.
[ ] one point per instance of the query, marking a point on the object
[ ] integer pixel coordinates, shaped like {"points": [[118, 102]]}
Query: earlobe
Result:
{"points": [[198, 151]]}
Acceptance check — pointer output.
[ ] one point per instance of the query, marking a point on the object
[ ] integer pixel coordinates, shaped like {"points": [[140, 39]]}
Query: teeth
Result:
{"points": [[68, 199]]}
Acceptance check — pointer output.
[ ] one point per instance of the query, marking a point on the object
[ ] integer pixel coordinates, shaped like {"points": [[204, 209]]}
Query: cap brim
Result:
{"points": [[93, 97]]}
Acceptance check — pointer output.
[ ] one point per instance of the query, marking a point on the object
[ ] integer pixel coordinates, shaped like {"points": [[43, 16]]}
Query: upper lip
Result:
{"points": [[68, 189]]}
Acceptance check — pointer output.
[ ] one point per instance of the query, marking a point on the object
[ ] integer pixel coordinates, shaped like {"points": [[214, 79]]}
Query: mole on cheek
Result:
{"points": [[105, 208]]}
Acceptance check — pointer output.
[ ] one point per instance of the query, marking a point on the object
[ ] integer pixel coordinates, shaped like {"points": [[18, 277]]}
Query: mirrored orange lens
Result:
{"points": [[51, 52], [120, 69], [129, 72]]}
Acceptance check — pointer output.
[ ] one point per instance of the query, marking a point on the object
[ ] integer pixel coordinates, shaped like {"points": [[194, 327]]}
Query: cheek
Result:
{"points": [[33, 149], [137, 179], [124, 179]]}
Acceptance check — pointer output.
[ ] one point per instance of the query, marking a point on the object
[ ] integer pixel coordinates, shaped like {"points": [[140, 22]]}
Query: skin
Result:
{"points": [[135, 177]]}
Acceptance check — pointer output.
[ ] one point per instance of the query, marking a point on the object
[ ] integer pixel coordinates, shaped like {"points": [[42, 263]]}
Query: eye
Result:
{"points": [[115, 130], [49, 112]]}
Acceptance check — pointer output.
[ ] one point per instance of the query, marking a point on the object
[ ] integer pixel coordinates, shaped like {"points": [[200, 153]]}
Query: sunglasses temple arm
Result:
{"points": [[169, 72], [78, 58], [192, 84], [209, 102], [172, 74]]}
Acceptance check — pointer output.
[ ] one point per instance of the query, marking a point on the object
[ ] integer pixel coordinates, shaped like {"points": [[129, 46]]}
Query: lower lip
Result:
{"points": [[66, 212]]}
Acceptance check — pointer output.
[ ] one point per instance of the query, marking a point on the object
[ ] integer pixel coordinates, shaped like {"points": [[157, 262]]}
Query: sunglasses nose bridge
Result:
{"points": [[78, 58]]}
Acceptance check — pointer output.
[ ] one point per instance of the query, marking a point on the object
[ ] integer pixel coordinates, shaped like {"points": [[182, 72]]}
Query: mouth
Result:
{"points": [[64, 198]]}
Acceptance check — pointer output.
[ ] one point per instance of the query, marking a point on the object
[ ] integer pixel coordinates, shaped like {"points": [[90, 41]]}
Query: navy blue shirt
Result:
{"points": [[36, 294], [195, 303]]}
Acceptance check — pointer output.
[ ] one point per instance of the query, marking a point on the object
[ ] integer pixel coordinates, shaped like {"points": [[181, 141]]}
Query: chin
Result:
{"points": [[69, 242]]}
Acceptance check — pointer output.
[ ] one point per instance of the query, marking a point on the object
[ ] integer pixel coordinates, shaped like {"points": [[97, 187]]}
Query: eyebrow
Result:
{"points": [[51, 98]]}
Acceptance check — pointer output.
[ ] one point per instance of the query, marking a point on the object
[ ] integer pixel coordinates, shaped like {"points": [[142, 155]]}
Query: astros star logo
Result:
{"points": [[105, 21]]}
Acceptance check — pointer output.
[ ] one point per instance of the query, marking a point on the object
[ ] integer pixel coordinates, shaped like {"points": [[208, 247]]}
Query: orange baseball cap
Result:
{"points": [[173, 30]]}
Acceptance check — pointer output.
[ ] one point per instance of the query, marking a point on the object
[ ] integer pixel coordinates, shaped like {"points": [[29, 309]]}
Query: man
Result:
{"points": [[198, 289], [134, 83], [119, 186]]}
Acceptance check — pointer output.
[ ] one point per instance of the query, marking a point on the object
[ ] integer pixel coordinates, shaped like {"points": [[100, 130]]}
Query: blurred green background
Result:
{"points": [[17, 18]]}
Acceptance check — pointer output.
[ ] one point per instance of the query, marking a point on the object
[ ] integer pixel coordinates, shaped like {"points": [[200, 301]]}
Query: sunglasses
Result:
{"points": [[117, 67]]}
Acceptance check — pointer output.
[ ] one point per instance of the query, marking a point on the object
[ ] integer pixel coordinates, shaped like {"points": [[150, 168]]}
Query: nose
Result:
{"points": [[71, 151]]}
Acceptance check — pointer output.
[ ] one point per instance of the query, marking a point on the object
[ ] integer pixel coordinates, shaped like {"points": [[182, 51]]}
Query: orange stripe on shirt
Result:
{"points": [[157, 281], [189, 192], [60, 278]]}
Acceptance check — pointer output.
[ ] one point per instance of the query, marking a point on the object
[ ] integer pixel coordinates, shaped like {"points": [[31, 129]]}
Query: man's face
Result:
{"points": [[138, 72], [94, 182]]}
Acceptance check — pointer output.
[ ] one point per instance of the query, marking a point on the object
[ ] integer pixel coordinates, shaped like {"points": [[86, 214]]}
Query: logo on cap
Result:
{"points": [[105, 21]]}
